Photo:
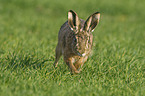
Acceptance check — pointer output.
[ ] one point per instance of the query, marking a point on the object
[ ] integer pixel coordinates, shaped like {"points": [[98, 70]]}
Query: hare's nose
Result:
{"points": [[83, 54]]}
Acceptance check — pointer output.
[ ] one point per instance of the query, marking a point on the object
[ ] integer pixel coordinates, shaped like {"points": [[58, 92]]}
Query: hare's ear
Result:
{"points": [[92, 22], [73, 20]]}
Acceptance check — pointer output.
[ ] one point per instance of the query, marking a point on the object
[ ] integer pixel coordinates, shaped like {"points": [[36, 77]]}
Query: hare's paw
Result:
{"points": [[75, 72], [55, 64]]}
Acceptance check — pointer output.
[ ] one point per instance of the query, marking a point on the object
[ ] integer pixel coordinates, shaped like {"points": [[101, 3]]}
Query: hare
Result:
{"points": [[75, 40]]}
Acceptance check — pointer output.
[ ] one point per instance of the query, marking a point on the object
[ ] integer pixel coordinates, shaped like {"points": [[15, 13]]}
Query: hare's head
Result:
{"points": [[82, 31]]}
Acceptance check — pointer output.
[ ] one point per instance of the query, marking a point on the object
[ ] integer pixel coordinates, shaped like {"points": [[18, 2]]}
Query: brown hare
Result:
{"points": [[75, 40]]}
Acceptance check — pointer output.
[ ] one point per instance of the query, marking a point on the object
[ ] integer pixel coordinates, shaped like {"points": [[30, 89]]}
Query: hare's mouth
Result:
{"points": [[82, 55]]}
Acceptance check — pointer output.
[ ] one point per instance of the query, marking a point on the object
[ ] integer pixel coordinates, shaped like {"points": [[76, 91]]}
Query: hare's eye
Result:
{"points": [[89, 40], [74, 39]]}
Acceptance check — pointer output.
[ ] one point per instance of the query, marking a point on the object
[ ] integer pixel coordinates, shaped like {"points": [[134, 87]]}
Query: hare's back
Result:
{"points": [[64, 29]]}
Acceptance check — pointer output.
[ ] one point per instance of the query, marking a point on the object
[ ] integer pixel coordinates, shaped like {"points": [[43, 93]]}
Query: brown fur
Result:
{"points": [[75, 40]]}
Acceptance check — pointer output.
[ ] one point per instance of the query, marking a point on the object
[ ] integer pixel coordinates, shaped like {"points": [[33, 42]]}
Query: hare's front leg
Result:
{"points": [[69, 62], [58, 53], [80, 62]]}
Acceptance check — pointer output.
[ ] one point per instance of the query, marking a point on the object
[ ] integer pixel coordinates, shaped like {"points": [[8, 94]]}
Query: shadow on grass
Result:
{"points": [[14, 60]]}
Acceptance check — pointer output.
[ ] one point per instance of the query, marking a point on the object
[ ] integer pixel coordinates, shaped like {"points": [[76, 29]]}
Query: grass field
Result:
{"points": [[28, 37]]}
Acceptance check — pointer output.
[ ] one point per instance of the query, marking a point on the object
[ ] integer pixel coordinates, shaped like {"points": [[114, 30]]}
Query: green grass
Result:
{"points": [[28, 37]]}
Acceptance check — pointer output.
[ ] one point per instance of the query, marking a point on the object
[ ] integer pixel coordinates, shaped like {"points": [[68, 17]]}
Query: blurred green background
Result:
{"points": [[28, 37]]}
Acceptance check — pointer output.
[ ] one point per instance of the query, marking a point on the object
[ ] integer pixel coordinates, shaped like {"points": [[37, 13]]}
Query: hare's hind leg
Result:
{"points": [[58, 53]]}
